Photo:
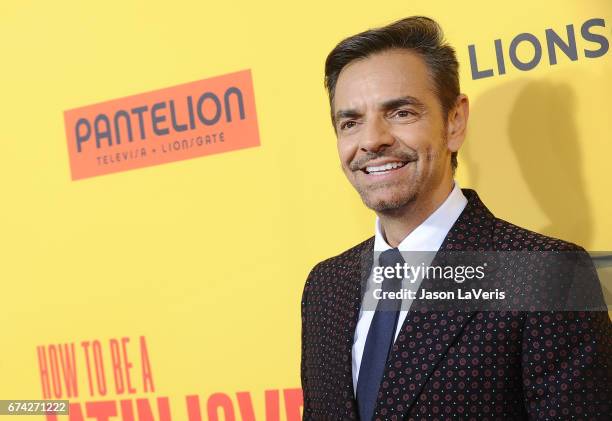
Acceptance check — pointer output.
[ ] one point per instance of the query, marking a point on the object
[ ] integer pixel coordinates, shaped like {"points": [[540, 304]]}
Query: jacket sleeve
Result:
{"points": [[307, 413], [567, 360], [566, 365]]}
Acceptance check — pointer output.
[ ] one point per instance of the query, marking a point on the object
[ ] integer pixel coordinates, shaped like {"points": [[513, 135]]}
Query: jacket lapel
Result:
{"points": [[353, 285], [426, 336]]}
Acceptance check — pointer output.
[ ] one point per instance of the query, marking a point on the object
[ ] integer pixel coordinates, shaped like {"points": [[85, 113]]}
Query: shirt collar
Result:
{"points": [[431, 233]]}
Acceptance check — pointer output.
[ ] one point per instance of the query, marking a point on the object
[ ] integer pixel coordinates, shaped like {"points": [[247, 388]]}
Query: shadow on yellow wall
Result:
{"points": [[523, 153]]}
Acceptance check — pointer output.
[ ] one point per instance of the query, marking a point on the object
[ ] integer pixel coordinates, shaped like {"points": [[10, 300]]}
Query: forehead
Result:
{"points": [[382, 76]]}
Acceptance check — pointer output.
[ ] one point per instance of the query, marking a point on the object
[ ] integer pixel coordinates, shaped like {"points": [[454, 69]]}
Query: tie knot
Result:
{"points": [[392, 279], [390, 257]]}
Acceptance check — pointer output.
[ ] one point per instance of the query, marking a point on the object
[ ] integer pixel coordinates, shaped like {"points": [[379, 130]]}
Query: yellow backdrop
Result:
{"points": [[206, 258]]}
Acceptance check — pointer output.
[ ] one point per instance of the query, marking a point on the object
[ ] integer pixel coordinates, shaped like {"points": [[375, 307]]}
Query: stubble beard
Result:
{"points": [[397, 202]]}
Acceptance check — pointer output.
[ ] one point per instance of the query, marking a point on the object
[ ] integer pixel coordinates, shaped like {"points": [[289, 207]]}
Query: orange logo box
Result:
{"points": [[185, 121]]}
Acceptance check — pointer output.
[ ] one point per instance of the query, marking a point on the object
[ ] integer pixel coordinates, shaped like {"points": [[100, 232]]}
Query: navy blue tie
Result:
{"points": [[379, 340]]}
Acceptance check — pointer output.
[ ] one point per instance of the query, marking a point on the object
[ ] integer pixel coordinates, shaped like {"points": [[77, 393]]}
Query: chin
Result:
{"points": [[387, 204]]}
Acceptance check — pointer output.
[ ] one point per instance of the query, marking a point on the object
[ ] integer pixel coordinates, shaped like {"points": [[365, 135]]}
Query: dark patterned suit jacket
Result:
{"points": [[478, 365]]}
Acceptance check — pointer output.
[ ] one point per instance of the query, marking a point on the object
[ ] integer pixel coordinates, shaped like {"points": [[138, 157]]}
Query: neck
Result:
{"points": [[399, 223]]}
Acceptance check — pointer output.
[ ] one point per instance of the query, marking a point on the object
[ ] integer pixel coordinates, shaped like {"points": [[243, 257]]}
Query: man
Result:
{"points": [[400, 120]]}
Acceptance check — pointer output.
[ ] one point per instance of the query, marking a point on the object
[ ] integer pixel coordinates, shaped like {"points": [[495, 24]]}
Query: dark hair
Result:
{"points": [[419, 34]]}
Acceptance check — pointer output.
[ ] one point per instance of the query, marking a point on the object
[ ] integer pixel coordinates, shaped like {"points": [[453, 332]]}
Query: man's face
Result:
{"points": [[390, 129]]}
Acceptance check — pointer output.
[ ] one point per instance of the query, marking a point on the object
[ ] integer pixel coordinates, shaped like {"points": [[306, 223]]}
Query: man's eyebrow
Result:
{"points": [[399, 102], [349, 113], [385, 106]]}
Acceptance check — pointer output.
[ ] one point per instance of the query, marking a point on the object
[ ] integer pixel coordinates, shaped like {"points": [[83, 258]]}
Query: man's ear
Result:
{"points": [[457, 123]]}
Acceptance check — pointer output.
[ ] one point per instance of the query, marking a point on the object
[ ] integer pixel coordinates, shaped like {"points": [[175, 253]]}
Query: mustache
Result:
{"points": [[404, 156]]}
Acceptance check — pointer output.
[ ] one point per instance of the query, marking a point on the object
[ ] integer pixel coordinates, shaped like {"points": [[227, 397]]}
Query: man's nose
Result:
{"points": [[376, 135]]}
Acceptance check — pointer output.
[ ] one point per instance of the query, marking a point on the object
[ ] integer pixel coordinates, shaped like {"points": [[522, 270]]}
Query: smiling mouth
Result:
{"points": [[384, 169]]}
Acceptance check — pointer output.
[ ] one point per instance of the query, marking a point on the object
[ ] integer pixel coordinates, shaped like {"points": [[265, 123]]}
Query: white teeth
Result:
{"points": [[386, 167]]}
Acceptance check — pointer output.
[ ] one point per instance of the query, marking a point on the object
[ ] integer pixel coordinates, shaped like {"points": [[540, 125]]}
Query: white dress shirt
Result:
{"points": [[426, 237]]}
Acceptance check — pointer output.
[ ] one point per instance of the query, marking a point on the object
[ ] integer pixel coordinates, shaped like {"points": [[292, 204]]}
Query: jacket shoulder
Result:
{"points": [[508, 236], [477, 219], [348, 259], [339, 271]]}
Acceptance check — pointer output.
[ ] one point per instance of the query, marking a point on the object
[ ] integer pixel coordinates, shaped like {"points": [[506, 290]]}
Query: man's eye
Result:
{"points": [[347, 125], [403, 113]]}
